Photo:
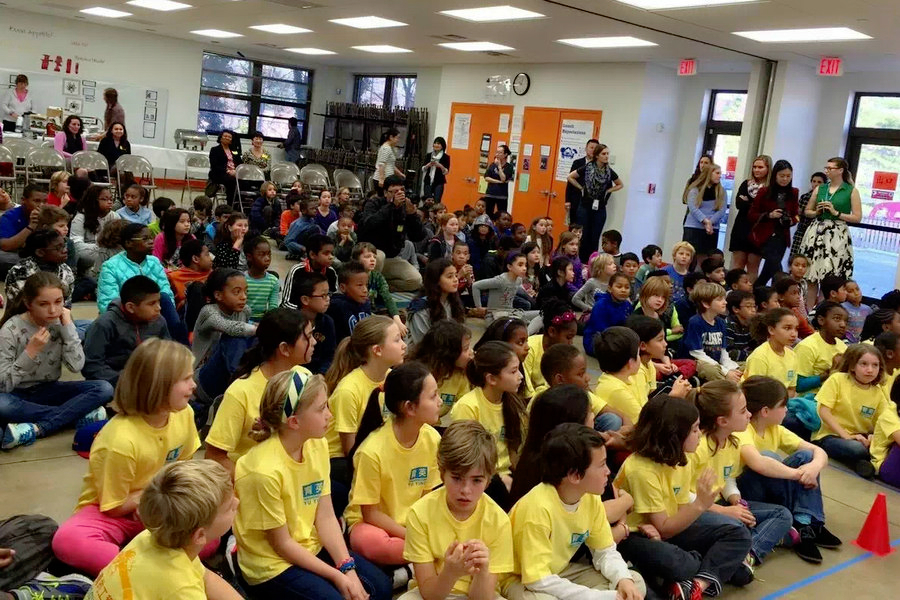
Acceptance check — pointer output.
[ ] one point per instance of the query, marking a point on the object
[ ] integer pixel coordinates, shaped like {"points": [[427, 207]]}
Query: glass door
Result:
{"points": [[723, 137]]}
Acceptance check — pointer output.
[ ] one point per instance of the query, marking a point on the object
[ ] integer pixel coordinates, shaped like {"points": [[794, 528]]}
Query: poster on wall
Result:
{"points": [[503, 126], [573, 137], [462, 122], [730, 167], [71, 87], [484, 157], [884, 184]]}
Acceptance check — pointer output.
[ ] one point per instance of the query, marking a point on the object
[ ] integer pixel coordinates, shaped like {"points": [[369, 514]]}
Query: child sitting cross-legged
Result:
{"points": [[185, 506], [351, 305], [263, 287], [45, 250], [320, 256], [554, 519], [618, 354], [196, 265], [379, 292], [560, 327], [446, 351], [653, 358], [457, 539], [704, 339], [741, 307], [610, 310], [229, 243], [130, 320], [312, 291]]}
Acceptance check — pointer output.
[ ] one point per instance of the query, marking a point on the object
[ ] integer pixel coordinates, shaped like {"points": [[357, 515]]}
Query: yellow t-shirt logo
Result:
{"points": [[418, 475], [579, 538], [312, 491]]}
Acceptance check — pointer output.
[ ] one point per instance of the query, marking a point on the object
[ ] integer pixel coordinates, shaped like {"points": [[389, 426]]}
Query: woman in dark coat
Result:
{"points": [[223, 160], [773, 212]]}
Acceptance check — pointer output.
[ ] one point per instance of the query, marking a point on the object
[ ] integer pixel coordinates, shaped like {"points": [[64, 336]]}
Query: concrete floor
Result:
{"points": [[46, 478]]}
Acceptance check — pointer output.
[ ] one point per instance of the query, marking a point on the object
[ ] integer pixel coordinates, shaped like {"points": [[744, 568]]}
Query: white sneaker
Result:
{"points": [[401, 577], [95, 416], [18, 434]]}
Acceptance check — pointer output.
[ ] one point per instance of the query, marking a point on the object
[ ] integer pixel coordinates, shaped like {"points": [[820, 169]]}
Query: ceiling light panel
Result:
{"points": [[370, 22], [216, 33], [492, 14], [382, 49], [163, 5], [607, 42], [788, 36], [280, 28], [99, 11], [670, 4], [311, 51], [476, 46]]}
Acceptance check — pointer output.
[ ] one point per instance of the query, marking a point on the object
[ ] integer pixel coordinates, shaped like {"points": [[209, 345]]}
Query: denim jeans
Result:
{"points": [[298, 584], [845, 451], [593, 222], [216, 374], [608, 422], [772, 523], [176, 326], [785, 492], [55, 404]]}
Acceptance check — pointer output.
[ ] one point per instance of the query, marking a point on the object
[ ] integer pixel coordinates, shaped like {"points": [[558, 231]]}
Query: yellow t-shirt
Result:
{"points": [[885, 426], [128, 452], [528, 385], [237, 414], [776, 438], [431, 528], [532, 364], [275, 490], [621, 396], [725, 462], [347, 404], [764, 361], [548, 534], [475, 406], [815, 355], [656, 488], [644, 381], [391, 477], [450, 390], [888, 382], [144, 570], [855, 408]]}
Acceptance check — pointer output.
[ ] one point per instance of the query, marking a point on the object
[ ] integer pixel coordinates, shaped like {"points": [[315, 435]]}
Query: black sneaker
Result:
{"points": [[807, 549], [742, 576], [864, 469], [825, 539]]}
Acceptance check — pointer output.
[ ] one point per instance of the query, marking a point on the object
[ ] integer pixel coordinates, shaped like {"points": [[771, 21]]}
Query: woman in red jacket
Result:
{"points": [[774, 211]]}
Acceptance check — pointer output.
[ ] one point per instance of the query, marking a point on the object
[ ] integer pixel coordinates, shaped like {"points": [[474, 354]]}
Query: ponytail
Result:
{"points": [[280, 325], [491, 358], [287, 394], [713, 400], [353, 351]]}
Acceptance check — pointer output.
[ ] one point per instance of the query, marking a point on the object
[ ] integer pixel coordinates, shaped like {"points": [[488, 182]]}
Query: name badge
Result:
{"points": [[399, 228], [596, 204]]}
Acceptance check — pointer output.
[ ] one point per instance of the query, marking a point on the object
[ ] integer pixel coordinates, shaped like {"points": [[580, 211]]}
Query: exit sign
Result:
{"points": [[831, 66], [687, 67]]}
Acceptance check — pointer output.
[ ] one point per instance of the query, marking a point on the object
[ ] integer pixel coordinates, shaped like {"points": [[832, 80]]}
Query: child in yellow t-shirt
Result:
{"points": [[850, 402], [513, 331], [154, 426], [289, 539], [774, 357], [693, 549], [885, 447], [553, 520], [495, 376], [652, 336], [186, 505], [446, 350], [394, 463], [819, 355], [796, 489], [284, 340], [560, 327], [888, 343], [617, 350], [458, 540]]}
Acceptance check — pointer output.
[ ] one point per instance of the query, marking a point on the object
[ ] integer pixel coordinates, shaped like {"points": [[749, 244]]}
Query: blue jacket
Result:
{"points": [[605, 314], [300, 230], [118, 269], [258, 221]]}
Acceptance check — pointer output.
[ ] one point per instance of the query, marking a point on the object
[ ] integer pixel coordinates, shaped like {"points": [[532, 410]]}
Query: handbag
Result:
{"points": [[211, 189]]}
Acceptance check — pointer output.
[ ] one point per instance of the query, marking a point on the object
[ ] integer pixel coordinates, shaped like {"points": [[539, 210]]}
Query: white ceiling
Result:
{"points": [[703, 33]]}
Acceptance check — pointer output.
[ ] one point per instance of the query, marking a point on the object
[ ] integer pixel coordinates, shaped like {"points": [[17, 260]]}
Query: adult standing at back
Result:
{"points": [[573, 193], [386, 160], [744, 255], [705, 199], [597, 181], [774, 211], [827, 242], [386, 222], [498, 176], [16, 102], [69, 141], [435, 170], [292, 141], [114, 112]]}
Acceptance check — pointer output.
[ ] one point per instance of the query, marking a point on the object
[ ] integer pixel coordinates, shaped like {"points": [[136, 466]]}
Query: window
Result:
{"points": [[873, 151], [247, 96], [386, 90]]}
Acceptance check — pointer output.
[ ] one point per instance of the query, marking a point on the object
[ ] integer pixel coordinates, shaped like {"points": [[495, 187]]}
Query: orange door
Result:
{"points": [[470, 124]]}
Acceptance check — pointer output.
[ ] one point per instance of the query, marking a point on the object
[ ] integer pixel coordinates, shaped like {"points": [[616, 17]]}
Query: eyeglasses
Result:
{"points": [[832, 168], [566, 317]]}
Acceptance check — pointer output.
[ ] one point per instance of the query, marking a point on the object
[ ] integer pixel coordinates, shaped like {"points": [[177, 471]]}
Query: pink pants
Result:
{"points": [[376, 544], [89, 540]]}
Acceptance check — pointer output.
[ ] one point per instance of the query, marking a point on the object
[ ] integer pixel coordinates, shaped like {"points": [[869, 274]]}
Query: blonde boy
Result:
{"points": [[187, 505], [458, 539], [682, 256]]}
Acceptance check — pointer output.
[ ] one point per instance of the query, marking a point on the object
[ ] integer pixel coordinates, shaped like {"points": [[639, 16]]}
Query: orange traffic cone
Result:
{"points": [[874, 535]]}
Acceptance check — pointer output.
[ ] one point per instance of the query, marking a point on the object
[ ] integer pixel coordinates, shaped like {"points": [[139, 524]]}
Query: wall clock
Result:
{"points": [[521, 84]]}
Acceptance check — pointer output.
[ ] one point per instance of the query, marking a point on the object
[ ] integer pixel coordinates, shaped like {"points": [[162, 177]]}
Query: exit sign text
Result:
{"points": [[831, 66], [687, 67]]}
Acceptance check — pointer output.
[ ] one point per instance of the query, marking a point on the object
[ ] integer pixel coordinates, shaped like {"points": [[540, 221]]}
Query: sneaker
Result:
{"points": [[401, 577], [685, 590], [825, 539], [807, 549], [95, 416], [18, 434], [864, 469], [792, 538], [742, 576], [751, 562], [68, 587]]}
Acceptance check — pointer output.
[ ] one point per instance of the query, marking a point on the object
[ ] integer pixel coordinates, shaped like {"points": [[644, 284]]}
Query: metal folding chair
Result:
{"points": [[196, 170], [92, 161], [248, 175], [284, 175], [41, 164], [140, 170], [8, 169], [20, 149], [348, 179], [314, 179]]}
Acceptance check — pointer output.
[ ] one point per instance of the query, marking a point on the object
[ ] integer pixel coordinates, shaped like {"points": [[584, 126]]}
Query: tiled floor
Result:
{"points": [[46, 478]]}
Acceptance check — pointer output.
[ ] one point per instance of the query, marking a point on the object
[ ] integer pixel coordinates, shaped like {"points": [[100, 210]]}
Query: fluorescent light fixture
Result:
{"points": [[370, 22], [667, 4], [625, 41], [163, 5], [382, 49], [492, 14], [311, 51], [99, 11], [216, 33], [822, 34], [280, 28], [476, 46]]}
